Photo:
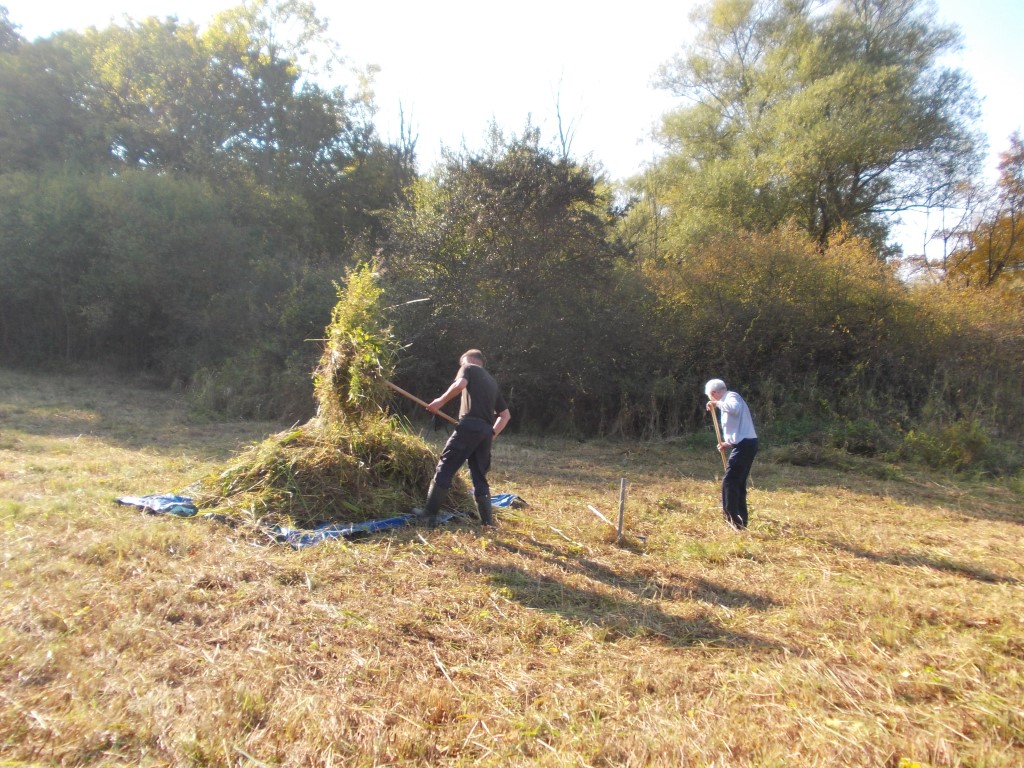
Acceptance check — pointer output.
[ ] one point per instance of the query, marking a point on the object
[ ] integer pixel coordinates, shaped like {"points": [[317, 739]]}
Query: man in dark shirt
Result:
{"points": [[483, 414]]}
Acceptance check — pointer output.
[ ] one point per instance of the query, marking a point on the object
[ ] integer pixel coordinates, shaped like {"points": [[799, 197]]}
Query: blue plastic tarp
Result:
{"points": [[298, 538], [162, 504], [507, 500]]}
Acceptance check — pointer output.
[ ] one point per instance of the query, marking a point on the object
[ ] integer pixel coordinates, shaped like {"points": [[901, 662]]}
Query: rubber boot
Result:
{"points": [[734, 521], [435, 497], [483, 508]]}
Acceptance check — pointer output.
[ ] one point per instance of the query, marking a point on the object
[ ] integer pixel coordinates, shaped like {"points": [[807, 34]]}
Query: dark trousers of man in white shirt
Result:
{"points": [[734, 482]]}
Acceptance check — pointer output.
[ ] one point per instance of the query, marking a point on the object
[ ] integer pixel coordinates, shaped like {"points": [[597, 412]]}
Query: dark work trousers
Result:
{"points": [[734, 482], [470, 442]]}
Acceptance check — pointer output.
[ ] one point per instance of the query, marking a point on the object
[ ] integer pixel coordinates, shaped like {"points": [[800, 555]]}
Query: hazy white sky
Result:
{"points": [[453, 65]]}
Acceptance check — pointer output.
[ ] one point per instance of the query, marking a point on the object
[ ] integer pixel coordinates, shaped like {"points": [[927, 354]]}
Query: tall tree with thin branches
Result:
{"points": [[831, 115]]}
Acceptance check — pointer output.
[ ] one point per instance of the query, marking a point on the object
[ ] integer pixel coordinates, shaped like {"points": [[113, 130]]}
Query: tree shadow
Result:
{"points": [[617, 617], [916, 559], [643, 614], [643, 583]]}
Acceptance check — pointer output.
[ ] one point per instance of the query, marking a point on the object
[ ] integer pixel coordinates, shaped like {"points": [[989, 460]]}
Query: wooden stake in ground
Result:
{"points": [[621, 527], [419, 402], [718, 434]]}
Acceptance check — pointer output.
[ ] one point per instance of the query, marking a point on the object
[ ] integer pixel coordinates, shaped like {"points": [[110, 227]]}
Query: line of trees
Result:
{"points": [[184, 201], [179, 200]]}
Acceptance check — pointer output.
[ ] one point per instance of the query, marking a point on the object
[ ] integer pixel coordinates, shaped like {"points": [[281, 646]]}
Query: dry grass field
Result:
{"points": [[873, 615]]}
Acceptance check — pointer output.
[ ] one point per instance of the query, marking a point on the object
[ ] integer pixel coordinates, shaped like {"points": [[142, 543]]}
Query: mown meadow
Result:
{"points": [[871, 615]]}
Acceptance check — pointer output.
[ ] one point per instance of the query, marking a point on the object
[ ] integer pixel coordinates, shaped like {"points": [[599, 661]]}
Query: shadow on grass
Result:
{"points": [[602, 462], [618, 618], [644, 585], [918, 559], [641, 614]]}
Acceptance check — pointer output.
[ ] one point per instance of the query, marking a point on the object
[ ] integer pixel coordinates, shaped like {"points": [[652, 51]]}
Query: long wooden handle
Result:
{"points": [[718, 434], [419, 402]]}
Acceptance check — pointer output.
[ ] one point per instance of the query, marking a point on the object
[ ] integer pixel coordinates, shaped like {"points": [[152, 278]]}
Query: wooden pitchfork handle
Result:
{"points": [[718, 434], [419, 402]]}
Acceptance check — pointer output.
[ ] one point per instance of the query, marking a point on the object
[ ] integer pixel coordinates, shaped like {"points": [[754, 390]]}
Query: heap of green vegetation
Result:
{"points": [[355, 460]]}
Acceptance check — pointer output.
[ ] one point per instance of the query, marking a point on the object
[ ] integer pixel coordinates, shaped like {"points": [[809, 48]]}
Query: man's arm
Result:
{"points": [[454, 389], [503, 419]]}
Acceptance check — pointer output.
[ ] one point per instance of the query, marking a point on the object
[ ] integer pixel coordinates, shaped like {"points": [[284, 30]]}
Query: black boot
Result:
{"points": [[435, 497], [483, 507]]}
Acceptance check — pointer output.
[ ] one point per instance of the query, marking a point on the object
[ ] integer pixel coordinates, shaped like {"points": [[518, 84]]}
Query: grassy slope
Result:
{"points": [[869, 616]]}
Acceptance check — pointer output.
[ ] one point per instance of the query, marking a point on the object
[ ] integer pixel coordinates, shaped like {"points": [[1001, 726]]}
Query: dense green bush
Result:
{"points": [[830, 346], [254, 386], [963, 446], [171, 276]]}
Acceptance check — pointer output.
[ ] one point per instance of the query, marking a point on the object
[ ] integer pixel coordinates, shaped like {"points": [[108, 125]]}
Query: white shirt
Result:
{"points": [[737, 423]]}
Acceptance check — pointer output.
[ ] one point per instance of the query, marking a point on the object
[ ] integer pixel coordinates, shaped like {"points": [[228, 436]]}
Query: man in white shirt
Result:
{"points": [[740, 439]]}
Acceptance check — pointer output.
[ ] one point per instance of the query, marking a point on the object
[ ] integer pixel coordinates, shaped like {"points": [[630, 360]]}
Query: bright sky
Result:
{"points": [[454, 65]]}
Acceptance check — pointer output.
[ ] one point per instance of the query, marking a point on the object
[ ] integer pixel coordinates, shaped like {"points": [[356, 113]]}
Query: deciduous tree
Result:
{"points": [[511, 247], [837, 115], [991, 250]]}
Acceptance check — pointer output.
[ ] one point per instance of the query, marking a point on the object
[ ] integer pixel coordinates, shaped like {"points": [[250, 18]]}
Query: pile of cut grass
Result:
{"points": [[314, 474], [355, 460]]}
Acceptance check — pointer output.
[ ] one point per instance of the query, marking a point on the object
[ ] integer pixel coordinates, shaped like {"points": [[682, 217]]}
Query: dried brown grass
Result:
{"points": [[871, 616]]}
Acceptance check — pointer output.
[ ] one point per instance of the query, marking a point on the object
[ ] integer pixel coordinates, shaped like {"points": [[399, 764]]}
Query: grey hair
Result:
{"points": [[714, 385]]}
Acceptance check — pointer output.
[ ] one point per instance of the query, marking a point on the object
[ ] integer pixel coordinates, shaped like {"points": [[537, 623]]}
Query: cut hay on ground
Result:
{"points": [[310, 475], [355, 460]]}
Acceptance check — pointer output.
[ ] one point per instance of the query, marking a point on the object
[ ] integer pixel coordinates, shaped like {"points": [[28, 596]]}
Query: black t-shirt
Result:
{"points": [[481, 398]]}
